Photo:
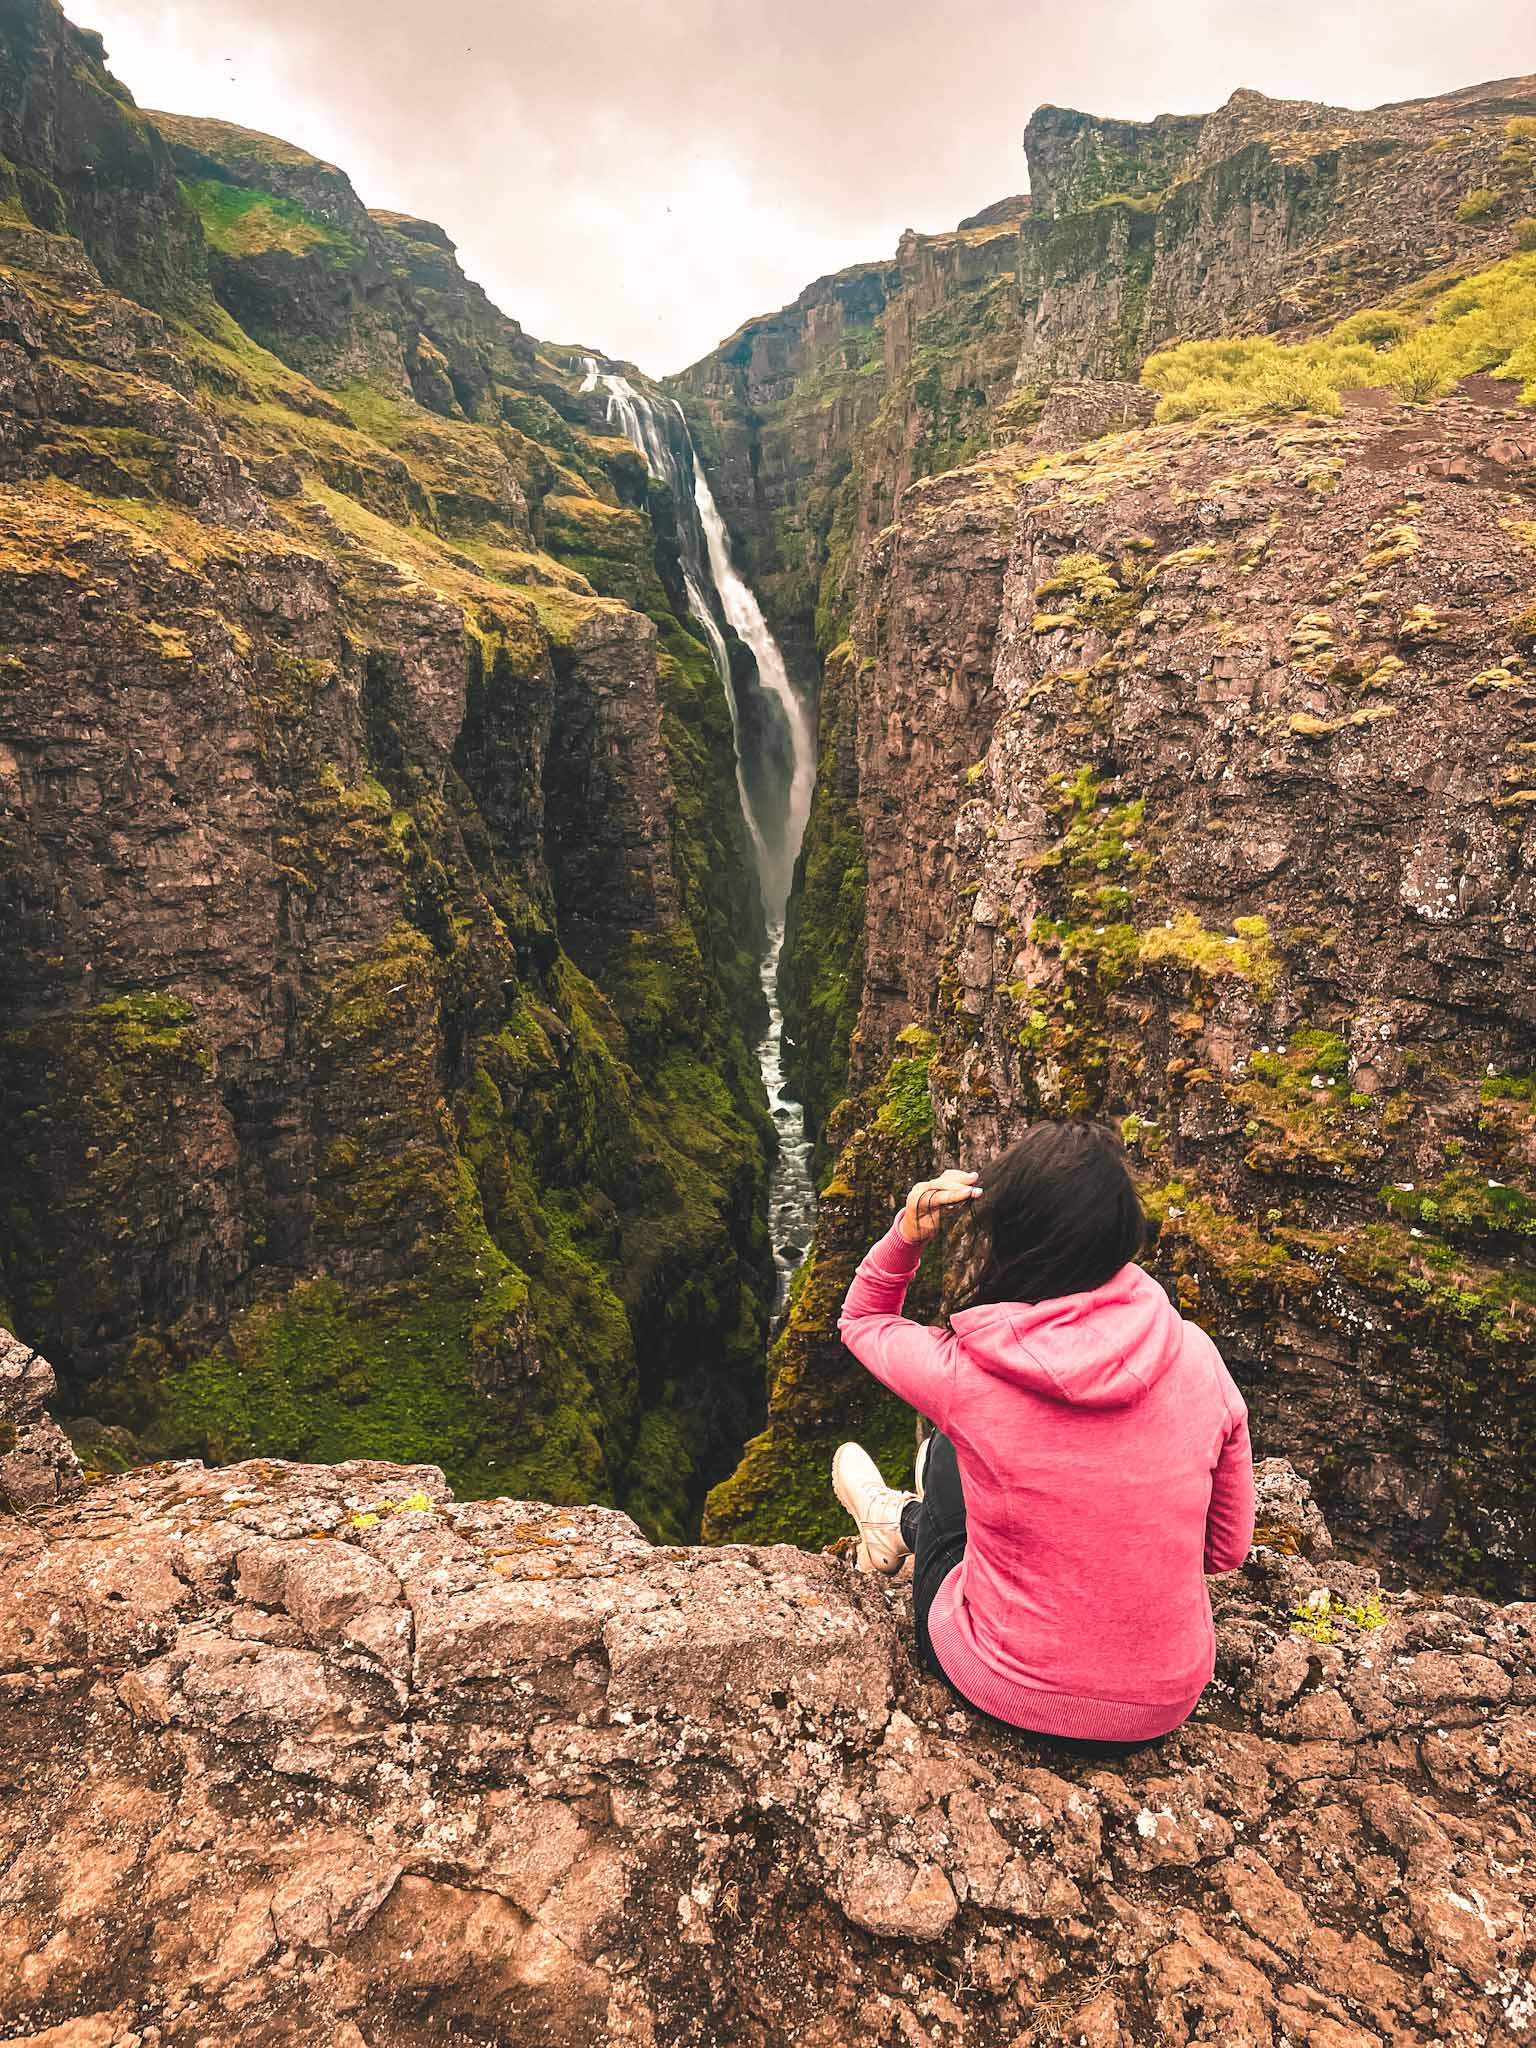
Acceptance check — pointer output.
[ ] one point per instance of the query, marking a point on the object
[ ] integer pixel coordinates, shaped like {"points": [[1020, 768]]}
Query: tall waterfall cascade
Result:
{"points": [[775, 748]]}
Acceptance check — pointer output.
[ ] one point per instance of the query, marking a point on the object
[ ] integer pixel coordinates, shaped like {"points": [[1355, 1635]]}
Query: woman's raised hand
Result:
{"points": [[920, 1218]]}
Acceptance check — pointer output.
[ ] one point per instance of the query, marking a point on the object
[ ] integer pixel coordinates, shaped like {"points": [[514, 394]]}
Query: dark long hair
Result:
{"points": [[1057, 1214]]}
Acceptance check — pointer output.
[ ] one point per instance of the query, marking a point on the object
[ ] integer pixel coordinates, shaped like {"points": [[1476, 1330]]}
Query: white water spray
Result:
{"points": [[671, 457]]}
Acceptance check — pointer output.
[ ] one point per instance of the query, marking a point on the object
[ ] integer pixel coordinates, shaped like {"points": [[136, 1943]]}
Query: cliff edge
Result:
{"points": [[302, 1755]]}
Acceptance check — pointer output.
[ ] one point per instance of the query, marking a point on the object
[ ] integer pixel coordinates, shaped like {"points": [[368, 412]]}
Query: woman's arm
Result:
{"points": [[912, 1359], [1230, 1516]]}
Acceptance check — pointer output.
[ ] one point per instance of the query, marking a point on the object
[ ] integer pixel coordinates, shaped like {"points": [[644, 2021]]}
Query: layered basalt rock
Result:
{"points": [[378, 984], [300, 1755]]}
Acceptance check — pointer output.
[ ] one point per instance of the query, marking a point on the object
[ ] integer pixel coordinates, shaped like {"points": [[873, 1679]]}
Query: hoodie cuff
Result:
{"points": [[893, 1255]]}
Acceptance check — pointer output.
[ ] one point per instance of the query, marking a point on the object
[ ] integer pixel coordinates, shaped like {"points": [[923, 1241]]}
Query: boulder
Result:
{"points": [[37, 1461]]}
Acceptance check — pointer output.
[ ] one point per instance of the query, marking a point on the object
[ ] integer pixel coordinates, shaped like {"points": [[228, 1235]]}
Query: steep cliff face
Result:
{"points": [[318, 1755], [1178, 773], [1267, 216], [378, 979], [1251, 863]]}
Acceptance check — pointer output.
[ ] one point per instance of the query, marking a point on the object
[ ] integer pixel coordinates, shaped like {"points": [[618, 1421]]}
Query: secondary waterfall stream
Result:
{"points": [[775, 750]]}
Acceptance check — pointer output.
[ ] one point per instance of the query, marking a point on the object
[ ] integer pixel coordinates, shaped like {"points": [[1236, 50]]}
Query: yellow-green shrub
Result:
{"points": [[1421, 367], [1479, 204], [1486, 322], [1376, 326], [1292, 382]]}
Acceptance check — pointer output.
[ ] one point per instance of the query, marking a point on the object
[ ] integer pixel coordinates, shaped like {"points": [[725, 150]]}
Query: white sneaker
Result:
{"points": [[875, 1506], [919, 1470]]}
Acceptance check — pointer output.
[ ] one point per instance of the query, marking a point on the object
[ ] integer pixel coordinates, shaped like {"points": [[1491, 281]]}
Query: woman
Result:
{"points": [[1093, 1462]]}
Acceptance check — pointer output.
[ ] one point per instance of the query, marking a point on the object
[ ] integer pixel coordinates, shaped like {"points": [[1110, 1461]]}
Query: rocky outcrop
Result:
{"points": [[1086, 411], [37, 1463], [378, 987], [299, 1755]]}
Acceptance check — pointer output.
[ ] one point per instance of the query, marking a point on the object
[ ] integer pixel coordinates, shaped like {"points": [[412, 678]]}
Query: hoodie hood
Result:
{"points": [[1101, 1349]]}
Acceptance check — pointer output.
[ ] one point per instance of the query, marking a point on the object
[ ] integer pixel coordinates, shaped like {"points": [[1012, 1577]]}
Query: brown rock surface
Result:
{"points": [[37, 1463], [310, 1755]]}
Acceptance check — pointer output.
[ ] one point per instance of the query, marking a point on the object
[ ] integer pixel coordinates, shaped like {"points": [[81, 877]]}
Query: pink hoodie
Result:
{"points": [[1103, 1448]]}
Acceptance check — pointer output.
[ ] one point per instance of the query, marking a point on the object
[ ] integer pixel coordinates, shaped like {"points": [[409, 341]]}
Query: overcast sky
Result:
{"points": [[645, 177]]}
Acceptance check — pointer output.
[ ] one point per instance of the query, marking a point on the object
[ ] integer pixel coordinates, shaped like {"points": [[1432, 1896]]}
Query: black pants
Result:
{"points": [[934, 1530]]}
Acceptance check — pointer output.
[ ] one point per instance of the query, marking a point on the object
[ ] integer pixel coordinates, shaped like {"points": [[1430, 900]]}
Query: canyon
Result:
{"points": [[509, 867]]}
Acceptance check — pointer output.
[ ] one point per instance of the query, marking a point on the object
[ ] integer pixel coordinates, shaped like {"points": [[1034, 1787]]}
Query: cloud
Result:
{"points": [[644, 178]]}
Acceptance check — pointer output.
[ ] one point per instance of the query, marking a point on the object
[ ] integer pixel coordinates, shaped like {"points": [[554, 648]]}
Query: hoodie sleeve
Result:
{"points": [[1229, 1518], [912, 1359]]}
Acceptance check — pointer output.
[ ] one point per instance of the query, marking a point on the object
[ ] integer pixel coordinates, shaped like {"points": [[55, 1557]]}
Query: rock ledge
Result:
{"points": [[305, 1755]]}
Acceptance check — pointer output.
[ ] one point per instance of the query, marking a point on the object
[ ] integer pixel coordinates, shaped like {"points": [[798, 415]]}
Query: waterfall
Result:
{"points": [[745, 615], [775, 751]]}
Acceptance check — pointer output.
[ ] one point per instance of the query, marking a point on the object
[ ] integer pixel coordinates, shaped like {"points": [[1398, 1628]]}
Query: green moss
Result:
{"points": [[243, 222], [1317, 1619], [1465, 1207], [1084, 591], [907, 1108], [1097, 831], [323, 1377], [1246, 954], [1202, 1240], [1324, 1051], [1299, 1113], [1510, 1088]]}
